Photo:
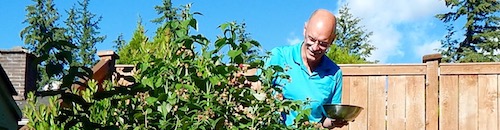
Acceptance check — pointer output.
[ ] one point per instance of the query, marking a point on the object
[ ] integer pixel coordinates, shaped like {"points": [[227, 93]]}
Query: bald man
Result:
{"points": [[314, 76]]}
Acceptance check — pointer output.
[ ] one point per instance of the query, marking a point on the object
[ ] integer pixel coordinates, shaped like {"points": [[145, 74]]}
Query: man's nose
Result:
{"points": [[315, 46]]}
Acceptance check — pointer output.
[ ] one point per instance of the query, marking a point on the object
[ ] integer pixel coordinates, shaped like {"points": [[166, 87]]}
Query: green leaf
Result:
{"points": [[144, 66], [184, 109], [255, 43], [207, 55], [165, 108], [198, 13], [138, 116], [286, 103], [221, 69], [256, 63], [245, 47], [178, 86], [190, 88], [148, 82], [172, 99], [213, 80], [159, 82], [253, 78], [238, 59], [220, 42], [174, 24], [218, 123], [53, 69], [259, 96], [223, 26], [151, 100], [193, 23], [234, 53], [277, 68], [64, 56], [162, 97], [181, 32], [70, 97]]}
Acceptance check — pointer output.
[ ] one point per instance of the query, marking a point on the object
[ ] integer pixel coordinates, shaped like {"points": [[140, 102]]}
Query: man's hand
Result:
{"points": [[255, 85], [332, 123], [339, 123]]}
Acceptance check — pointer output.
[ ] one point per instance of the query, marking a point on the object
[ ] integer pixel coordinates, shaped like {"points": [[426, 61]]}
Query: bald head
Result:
{"points": [[322, 22], [319, 33]]}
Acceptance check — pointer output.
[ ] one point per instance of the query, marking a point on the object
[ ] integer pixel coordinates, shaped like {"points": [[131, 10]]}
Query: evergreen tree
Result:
{"points": [[352, 44], [119, 43], [480, 41], [130, 52], [46, 40], [166, 12], [83, 28], [169, 22], [341, 55]]}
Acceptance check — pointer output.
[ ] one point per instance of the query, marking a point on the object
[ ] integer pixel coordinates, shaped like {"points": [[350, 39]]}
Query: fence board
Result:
{"points": [[488, 114], [346, 81], [376, 102], [346, 85], [470, 68], [448, 102], [467, 107], [396, 103], [359, 87], [415, 103], [376, 69], [464, 97], [432, 94]]}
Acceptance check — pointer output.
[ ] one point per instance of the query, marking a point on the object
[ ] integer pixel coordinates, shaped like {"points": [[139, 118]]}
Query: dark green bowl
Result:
{"points": [[341, 112]]}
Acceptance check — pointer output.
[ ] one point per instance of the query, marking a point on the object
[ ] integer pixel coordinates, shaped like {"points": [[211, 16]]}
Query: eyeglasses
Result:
{"points": [[322, 44]]}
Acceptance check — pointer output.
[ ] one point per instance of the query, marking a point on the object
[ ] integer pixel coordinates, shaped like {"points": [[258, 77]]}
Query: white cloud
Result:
{"points": [[383, 17], [427, 48], [292, 39]]}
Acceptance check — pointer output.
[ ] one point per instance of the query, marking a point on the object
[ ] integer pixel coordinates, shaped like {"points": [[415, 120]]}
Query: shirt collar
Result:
{"points": [[297, 58]]}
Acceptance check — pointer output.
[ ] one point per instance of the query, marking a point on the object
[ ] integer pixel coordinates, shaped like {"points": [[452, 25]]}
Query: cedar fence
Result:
{"points": [[429, 95]]}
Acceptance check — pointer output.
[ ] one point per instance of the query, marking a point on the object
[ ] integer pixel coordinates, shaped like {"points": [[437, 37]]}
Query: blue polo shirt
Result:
{"points": [[323, 85]]}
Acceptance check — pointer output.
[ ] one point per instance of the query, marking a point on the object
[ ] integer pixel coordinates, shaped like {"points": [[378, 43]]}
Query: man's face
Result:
{"points": [[317, 39]]}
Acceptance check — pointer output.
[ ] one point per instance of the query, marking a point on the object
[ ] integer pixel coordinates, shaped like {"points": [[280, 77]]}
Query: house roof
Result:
{"points": [[5, 77], [11, 91]]}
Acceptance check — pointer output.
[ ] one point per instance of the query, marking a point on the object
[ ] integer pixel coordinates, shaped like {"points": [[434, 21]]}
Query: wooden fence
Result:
{"points": [[430, 95]]}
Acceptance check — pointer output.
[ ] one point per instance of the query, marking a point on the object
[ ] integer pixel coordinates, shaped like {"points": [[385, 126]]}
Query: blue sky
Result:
{"points": [[403, 30]]}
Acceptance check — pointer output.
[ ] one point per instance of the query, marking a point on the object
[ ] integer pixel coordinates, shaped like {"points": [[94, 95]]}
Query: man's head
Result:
{"points": [[319, 33]]}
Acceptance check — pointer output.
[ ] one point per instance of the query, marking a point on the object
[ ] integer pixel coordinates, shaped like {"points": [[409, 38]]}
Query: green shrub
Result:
{"points": [[179, 88]]}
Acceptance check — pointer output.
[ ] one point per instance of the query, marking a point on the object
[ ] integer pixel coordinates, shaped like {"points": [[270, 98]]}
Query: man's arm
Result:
{"points": [[257, 85], [336, 99], [337, 88], [275, 58]]}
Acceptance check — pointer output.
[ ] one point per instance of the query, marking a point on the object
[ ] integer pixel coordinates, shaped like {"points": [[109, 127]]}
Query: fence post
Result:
{"points": [[431, 91], [105, 68]]}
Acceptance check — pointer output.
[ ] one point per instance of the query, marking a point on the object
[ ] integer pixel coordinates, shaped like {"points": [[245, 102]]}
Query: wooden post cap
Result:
{"points": [[431, 57], [108, 55]]}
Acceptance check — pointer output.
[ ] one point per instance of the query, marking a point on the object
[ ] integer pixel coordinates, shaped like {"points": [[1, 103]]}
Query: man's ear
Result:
{"points": [[334, 37]]}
